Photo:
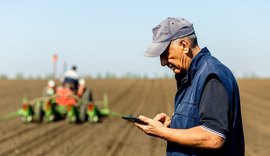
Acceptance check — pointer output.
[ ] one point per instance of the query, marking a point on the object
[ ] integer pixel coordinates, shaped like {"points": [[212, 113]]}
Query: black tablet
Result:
{"points": [[133, 119]]}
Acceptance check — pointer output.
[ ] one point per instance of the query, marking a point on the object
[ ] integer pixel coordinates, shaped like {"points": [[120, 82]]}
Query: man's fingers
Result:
{"points": [[140, 126], [144, 119], [162, 117], [159, 117]]}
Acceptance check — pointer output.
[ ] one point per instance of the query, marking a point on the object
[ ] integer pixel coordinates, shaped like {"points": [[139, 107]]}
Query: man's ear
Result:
{"points": [[185, 46]]}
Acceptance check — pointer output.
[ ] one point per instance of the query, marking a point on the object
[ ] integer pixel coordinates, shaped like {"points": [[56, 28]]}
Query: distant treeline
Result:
{"points": [[21, 76]]}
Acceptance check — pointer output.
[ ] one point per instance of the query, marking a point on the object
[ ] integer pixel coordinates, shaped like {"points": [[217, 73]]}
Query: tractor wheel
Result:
{"points": [[38, 114], [82, 113], [87, 96]]}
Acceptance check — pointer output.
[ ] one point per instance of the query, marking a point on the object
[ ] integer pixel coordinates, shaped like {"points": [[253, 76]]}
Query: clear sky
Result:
{"points": [[110, 36]]}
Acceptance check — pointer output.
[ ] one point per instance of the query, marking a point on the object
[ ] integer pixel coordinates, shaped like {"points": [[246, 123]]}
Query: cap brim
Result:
{"points": [[156, 49]]}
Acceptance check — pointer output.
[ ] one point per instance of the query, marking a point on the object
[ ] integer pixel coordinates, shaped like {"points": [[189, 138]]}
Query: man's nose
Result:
{"points": [[163, 61]]}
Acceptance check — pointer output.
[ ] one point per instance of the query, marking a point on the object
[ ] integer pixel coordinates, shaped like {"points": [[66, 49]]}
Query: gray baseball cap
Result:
{"points": [[168, 30]]}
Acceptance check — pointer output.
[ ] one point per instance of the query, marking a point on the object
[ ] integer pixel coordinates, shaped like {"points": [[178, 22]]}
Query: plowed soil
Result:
{"points": [[115, 136]]}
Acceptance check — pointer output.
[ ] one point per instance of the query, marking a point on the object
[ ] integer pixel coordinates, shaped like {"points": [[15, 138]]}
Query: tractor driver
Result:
{"points": [[71, 79]]}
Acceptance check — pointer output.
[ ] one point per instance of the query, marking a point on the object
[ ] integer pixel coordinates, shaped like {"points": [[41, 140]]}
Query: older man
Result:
{"points": [[207, 116]]}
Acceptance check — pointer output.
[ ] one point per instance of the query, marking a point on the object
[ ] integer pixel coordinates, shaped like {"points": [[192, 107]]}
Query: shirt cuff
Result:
{"points": [[213, 131]]}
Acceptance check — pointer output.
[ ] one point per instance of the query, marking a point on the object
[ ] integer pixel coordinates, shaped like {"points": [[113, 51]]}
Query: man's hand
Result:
{"points": [[153, 127], [195, 137], [164, 119]]}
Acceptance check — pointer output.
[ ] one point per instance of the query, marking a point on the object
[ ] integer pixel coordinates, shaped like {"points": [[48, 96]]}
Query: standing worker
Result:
{"points": [[207, 116]]}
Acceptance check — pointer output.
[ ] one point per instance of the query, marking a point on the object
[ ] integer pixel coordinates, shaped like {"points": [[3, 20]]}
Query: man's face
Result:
{"points": [[176, 57]]}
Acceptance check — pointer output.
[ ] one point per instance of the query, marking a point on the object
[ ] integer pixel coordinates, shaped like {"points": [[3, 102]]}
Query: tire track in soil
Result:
{"points": [[256, 106], [150, 106], [122, 94], [102, 146], [162, 107], [29, 149], [79, 139], [261, 103], [92, 140], [256, 124], [65, 141], [12, 88], [95, 141], [112, 127], [12, 124], [60, 142], [165, 96], [117, 146], [15, 131], [113, 102], [120, 90], [36, 140], [144, 144], [159, 105], [257, 88], [90, 135]]}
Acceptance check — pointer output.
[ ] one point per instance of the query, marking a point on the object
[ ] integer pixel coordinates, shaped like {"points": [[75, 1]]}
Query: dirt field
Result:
{"points": [[114, 136]]}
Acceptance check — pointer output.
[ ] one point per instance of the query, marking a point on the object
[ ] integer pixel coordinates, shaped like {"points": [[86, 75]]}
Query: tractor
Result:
{"points": [[64, 103]]}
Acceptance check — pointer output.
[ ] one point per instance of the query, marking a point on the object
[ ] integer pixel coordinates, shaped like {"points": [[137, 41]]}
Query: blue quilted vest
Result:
{"points": [[187, 100]]}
